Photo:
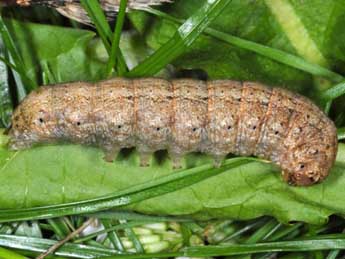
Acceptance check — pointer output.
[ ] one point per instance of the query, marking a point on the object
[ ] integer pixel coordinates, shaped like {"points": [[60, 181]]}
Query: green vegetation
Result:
{"points": [[241, 210]]}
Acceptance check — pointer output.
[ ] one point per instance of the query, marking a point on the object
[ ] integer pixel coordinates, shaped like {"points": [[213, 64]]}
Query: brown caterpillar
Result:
{"points": [[215, 117]]}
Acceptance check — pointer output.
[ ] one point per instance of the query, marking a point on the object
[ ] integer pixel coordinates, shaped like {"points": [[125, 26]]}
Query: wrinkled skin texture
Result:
{"points": [[182, 116]]}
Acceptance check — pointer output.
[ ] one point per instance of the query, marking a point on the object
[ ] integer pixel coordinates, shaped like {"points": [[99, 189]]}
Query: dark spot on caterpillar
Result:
{"points": [[301, 166], [169, 97], [205, 98], [195, 129], [129, 97], [254, 127], [158, 128], [41, 120], [119, 126], [308, 116], [229, 127], [78, 123], [276, 132], [239, 99]]}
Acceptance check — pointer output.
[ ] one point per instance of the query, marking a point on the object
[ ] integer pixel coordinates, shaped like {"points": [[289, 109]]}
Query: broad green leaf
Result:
{"points": [[49, 175], [292, 26]]}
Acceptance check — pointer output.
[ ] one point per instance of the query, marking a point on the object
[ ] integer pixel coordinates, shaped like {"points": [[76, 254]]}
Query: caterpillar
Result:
{"points": [[73, 9], [182, 116]]}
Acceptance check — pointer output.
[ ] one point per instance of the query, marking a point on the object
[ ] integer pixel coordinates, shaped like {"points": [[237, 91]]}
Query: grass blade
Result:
{"points": [[242, 249], [137, 193], [17, 59], [96, 14], [116, 37], [187, 33], [133, 237], [5, 97], [109, 229], [334, 92], [341, 133], [4, 253], [41, 245], [272, 53], [128, 215], [112, 235]]}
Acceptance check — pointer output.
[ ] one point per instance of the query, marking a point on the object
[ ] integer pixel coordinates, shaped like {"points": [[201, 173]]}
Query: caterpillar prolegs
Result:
{"points": [[215, 117]]}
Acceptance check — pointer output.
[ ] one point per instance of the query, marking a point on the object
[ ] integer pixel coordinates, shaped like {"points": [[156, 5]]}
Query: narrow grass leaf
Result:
{"points": [[5, 253], [113, 228], [41, 245], [116, 37], [96, 14], [59, 227], [187, 33], [262, 232], [17, 59], [133, 237], [5, 97], [117, 214], [112, 235], [235, 249], [341, 133], [334, 92], [272, 53]]}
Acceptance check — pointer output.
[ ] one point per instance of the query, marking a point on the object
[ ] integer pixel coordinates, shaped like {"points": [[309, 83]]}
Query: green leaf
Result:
{"points": [[269, 52], [83, 251], [116, 38], [41, 245], [65, 51], [8, 41], [5, 97], [69, 173], [182, 39], [242, 249], [4, 253], [260, 22]]}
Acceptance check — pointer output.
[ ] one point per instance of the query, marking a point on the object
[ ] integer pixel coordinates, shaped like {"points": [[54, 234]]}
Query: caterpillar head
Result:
{"points": [[310, 161], [32, 121]]}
